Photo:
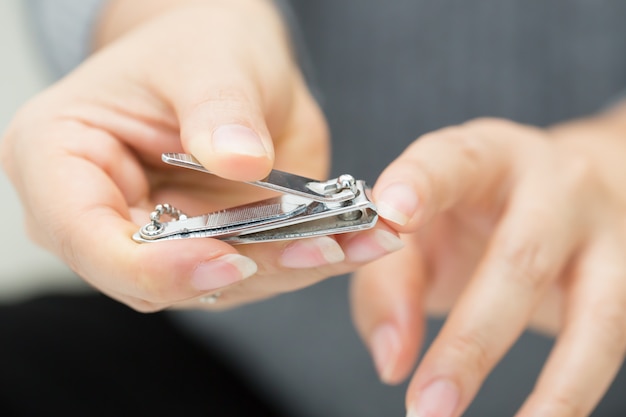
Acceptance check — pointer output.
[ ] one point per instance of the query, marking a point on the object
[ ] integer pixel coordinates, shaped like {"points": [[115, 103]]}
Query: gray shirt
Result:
{"points": [[386, 72]]}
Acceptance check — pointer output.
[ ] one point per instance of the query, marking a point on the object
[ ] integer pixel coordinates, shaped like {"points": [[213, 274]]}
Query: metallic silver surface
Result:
{"points": [[277, 181], [293, 215]]}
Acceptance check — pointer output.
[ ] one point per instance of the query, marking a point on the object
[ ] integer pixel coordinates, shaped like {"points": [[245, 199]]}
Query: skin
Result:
{"points": [[84, 155], [504, 226], [512, 227]]}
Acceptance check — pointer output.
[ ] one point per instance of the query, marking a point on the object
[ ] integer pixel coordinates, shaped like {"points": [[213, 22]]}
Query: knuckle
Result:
{"points": [[464, 150], [28, 123], [466, 144], [223, 99], [523, 262], [104, 150], [472, 351]]}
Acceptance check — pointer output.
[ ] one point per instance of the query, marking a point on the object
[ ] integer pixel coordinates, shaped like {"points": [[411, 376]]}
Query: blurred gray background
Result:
{"points": [[25, 269]]}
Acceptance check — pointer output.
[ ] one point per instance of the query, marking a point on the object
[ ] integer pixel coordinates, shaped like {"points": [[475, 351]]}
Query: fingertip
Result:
{"points": [[394, 347], [311, 253], [198, 266], [234, 152], [222, 271], [397, 203], [238, 140], [440, 397], [370, 245], [385, 345]]}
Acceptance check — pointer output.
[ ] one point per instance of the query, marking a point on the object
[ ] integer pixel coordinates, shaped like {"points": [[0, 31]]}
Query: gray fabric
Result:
{"points": [[64, 29], [387, 72]]}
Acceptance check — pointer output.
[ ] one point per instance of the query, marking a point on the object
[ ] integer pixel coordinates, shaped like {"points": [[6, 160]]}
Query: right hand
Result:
{"points": [[213, 78]]}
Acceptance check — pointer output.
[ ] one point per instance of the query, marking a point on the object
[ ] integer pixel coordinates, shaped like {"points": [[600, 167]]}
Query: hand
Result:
{"points": [[506, 226], [212, 78]]}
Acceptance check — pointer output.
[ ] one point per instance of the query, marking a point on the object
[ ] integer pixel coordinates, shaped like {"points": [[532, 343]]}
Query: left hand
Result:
{"points": [[506, 226]]}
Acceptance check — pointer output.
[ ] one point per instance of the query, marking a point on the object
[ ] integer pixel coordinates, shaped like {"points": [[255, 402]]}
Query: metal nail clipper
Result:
{"points": [[306, 208]]}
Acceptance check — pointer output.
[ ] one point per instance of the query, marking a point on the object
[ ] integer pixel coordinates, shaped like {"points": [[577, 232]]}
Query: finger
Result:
{"points": [[226, 95], [85, 219], [291, 265], [591, 347], [307, 261], [445, 167], [225, 129], [387, 308], [530, 247]]}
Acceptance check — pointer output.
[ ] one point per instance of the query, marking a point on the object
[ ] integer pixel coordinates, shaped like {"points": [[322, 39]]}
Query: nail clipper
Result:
{"points": [[306, 208]]}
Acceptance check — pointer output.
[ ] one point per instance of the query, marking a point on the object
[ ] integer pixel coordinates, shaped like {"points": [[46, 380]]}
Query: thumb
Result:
{"points": [[228, 86], [225, 129]]}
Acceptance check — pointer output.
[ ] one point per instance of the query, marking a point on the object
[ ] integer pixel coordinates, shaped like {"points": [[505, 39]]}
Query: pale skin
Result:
{"points": [[503, 226], [212, 78]]}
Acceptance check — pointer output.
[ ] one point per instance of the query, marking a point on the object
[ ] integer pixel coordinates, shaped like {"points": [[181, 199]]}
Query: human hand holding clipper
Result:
{"points": [[213, 78]]}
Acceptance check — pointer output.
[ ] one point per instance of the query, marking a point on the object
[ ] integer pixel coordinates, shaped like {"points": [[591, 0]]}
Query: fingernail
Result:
{"points": [[439, 399], [237, 139], [222, 271], [385, 345], [397, 203], [309, 253], [372, 245]]}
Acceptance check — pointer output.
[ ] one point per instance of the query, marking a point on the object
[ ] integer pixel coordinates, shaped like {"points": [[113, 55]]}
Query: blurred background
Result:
{"points": [[25, 270]]}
